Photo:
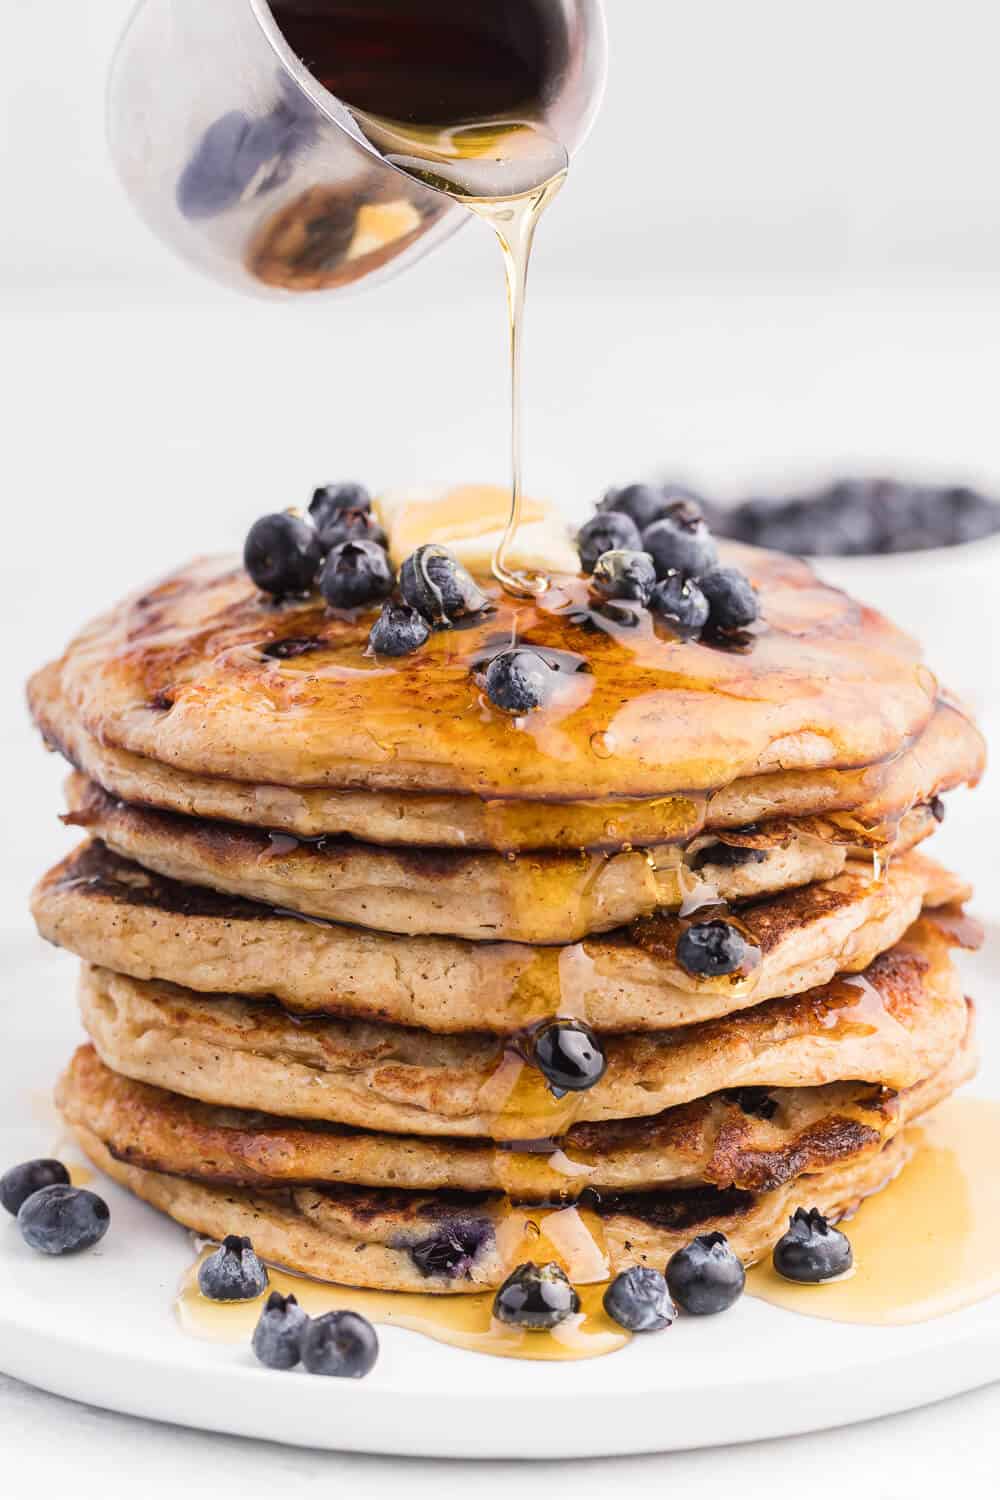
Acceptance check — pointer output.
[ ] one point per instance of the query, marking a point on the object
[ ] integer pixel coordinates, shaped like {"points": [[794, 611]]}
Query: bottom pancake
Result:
{"points": [[462, 1243], [756, 1139]]}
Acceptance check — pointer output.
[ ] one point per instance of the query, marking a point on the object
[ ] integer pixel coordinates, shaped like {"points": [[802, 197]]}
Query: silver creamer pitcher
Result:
{"points": [[254, 163]]}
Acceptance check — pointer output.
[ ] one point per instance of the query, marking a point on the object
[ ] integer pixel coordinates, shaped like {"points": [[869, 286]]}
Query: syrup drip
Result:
{"points": [[929, 1243], [571, 1237], [926, 1245], [506, 171]]}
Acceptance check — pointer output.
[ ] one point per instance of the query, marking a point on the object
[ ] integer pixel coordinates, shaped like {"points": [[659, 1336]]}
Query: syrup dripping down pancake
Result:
{"points": [[195, 673], [119, 916], [362, 1238], [947, 753], [754, 1139], [542, 897], [896, 1024]]}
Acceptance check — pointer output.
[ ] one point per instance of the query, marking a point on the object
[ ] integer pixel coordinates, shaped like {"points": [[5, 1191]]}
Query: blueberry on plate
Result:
{"points": [[282, 555], [680, 602], [356, 574], [399, 630], [60, 1220], [519, 680], [706, 1276], [625, 575], [569, 1056], [711, 949], [21, 1181], [233, 1273], [732, 599], [342, 1344], [608, 531], [639, 1299], [680, 542], [330, 500], [811, 1249], [277, 1339], [434, 582], [536, 1297]]}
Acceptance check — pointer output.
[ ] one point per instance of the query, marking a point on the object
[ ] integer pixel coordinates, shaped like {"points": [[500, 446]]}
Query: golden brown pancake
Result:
{"points": [[539, 897], [118, 915], [876, 797], [365, 1238], [200, 673], [756, 1139], [898, 1023]]}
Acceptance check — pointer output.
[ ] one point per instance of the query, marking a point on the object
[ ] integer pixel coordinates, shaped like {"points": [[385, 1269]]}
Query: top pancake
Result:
{"points": [[204, 675]]}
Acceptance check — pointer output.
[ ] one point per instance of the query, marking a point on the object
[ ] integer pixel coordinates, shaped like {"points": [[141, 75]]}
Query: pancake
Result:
{"points": [[753, 1139], [529, 898], [947, 753], [364, 1238], [202, 674], [117, 915], [896, 1024]]}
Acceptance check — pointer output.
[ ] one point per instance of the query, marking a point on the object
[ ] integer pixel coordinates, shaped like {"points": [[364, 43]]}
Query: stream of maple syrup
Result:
{"points": [[506, 171], [926, 1245]]}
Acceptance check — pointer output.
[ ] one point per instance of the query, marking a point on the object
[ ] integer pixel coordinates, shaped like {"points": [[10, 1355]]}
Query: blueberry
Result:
{"points": [[452, 1251], [728, 856], [342, 1344], [435, 583], [398, 631], [732, 599], [282, 555], [639, 1300], [711, 949], [60, 1220], [608, 531], [330, 500], [811, 1250], [355, 574], [706, 1276], [536, 1297], [680, 542], [936, 806], [625, 575], [277, 1339], [646, 503], [570, 1056], [20, 1182], [680, 602], [519, 680], [233, 1273], [351, 526]]}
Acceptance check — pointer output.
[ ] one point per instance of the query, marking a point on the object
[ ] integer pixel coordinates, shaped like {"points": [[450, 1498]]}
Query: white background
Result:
{"points": [[776, 257]]}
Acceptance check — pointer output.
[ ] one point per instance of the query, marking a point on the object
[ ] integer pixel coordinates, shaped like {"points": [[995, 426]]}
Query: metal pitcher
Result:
{"points": [[242, 160]]}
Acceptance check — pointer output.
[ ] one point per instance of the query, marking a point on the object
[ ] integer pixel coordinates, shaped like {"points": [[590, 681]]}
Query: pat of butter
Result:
{"points": [[471, 520]]}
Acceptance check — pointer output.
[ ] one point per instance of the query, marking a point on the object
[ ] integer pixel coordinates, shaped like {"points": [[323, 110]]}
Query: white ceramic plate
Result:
{"points": [[99, 1328]]}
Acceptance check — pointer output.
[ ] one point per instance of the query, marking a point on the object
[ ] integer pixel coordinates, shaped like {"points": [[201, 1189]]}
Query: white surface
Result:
{"points": [[100, 1327]]}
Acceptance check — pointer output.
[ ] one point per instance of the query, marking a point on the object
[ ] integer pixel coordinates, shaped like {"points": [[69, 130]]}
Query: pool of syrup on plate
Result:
{"points": [[926, 1245]]}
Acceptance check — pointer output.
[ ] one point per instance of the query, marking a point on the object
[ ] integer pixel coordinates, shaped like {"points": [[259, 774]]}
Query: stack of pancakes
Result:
{"points": [[327, 904]]}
